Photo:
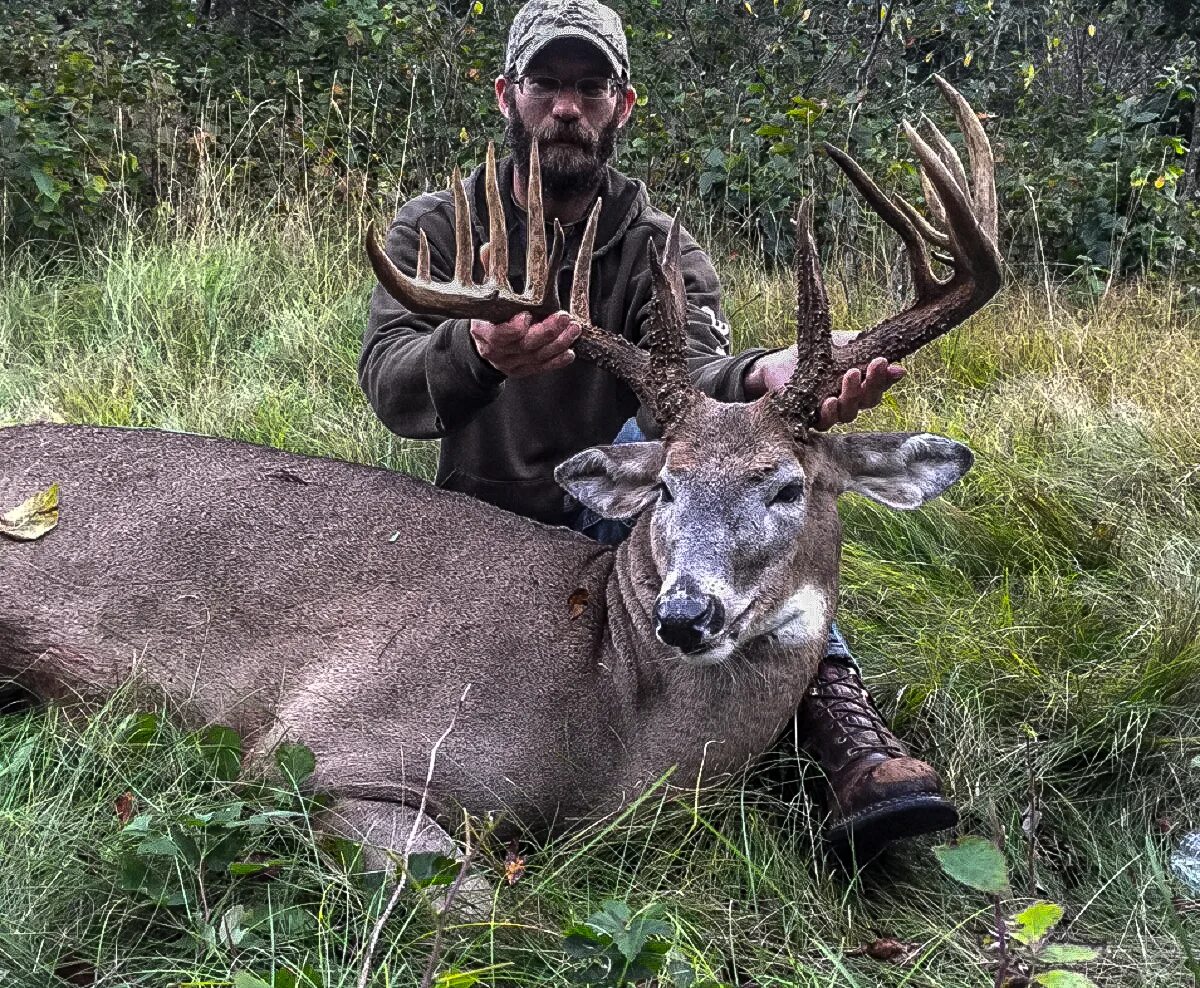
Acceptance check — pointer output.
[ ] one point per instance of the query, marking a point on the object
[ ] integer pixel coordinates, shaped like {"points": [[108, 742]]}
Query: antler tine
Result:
{"points": [[497, 228], [464, 248], [969, 217], [932, 202], [979, 152], [423, 258], [658, 374], [930, 233], [893, 215], [945, 150], [535, 226], [581, 283], [799, 400], [666, 338]]}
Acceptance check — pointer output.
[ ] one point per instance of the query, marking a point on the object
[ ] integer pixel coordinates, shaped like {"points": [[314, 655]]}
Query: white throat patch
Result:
{"points": [[801, 618]]}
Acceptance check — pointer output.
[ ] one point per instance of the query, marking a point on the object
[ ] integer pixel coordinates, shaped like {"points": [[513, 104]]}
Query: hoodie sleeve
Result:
{"points": [[423, 376]]}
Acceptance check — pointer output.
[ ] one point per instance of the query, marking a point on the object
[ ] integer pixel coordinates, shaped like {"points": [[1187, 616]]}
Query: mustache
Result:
{"points": [[568, 134]]}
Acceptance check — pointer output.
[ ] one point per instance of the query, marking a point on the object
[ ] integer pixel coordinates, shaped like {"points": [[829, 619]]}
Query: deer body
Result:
{"points": [[266, 591]]}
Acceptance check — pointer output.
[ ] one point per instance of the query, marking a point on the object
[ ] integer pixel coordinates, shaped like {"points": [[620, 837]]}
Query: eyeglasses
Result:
{"points": [[594, 89]]}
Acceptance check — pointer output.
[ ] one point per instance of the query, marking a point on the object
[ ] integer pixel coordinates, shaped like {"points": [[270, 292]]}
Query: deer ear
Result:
{"points": [[614, 481], [900, 469]]}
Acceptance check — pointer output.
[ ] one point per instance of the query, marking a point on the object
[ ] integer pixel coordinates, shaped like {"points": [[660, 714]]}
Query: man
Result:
{"points": [[510, 403]]}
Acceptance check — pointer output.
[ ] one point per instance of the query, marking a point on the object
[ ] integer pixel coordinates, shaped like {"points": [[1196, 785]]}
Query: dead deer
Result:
{"points": [[268, 591]]}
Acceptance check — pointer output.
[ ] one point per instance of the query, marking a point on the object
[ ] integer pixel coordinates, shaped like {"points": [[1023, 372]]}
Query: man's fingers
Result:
{"points": [[875, 383], [532, 367], [506, 334], [851, 396], [828, 416]]}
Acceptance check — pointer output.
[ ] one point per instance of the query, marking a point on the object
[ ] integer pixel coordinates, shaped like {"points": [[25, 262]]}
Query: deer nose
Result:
{"points": [[687, 619]]}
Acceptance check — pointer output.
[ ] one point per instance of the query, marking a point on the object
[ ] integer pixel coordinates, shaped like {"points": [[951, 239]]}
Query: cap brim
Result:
{"points": [[576, 34]]}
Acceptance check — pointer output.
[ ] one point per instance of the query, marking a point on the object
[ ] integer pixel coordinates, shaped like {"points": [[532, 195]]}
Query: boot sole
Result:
{"points": [[867, 831]]}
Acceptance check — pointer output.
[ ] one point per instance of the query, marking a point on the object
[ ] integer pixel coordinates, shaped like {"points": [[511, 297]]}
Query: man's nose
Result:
{"points": [[566, 104]]}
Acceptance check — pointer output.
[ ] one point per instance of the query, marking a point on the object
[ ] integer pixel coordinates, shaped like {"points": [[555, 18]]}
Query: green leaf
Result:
{"points": [[430, 869], [162, 846], [144, 729], [244, 979], [772, 130], [582, 942], [296, 762], [222, 751], [975, 862], [611, 919], [1067, 953], [1035, 922], [643, 932], [45, 184], [1064, 979]]}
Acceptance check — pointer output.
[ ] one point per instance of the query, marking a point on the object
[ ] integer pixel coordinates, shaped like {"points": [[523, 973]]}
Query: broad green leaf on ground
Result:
{"points": [[222, 749], [975, 862], [429, 868], [1064, 979], [1067, 953], [33, 518], [296, 762], [1035, 922]]}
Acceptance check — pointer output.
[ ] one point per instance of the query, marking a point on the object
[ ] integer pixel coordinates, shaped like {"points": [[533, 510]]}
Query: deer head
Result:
{"points": [[740, 500]]}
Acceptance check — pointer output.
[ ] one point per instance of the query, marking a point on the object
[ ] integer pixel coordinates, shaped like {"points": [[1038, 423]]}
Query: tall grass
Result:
{"points": [[1036, 631]]}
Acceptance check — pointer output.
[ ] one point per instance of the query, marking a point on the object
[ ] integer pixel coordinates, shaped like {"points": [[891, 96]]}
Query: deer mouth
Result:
{"points": [[721, 646]]}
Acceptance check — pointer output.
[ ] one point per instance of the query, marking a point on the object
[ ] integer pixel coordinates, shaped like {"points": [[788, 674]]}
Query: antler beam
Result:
{"points": [[964, 225]]}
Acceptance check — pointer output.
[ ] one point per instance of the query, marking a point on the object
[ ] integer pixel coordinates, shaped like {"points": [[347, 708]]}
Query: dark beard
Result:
{"points": [[572, 163]]}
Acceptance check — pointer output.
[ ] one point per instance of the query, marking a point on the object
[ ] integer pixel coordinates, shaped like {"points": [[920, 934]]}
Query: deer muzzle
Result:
{"points": [[687, 618]]}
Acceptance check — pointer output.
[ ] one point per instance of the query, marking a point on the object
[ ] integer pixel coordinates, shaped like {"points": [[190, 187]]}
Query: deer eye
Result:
{"points": [[788, 494]]}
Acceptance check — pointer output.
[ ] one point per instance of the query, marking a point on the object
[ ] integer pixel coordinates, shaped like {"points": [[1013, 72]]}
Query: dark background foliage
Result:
{"points": [[133, 106]]}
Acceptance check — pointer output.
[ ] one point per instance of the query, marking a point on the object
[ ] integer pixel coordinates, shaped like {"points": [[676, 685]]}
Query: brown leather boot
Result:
{"points": [[879, 792]]}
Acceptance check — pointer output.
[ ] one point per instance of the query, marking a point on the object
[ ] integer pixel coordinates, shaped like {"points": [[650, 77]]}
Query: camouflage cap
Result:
{"points": [[541, 21]]}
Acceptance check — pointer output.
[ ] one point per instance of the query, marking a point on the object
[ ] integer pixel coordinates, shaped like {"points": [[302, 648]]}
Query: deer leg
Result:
{"points": [[879, 791], [388, 831]]}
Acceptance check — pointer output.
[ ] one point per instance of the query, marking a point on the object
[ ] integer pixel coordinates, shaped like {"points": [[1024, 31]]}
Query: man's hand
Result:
{"points": [[859, 391], [521, 347]]}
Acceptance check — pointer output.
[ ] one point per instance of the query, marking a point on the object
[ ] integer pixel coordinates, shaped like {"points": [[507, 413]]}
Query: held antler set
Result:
{"points": [[961, 235]]}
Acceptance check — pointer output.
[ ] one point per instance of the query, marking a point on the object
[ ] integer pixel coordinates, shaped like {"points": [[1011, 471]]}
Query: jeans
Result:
{"points": [[608, 531]]}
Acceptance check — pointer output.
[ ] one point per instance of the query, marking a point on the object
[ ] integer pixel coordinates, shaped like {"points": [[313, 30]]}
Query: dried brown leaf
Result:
{"points": [[577, 603], [32, 518], [887, 949], [124, 807], [514, 864]]}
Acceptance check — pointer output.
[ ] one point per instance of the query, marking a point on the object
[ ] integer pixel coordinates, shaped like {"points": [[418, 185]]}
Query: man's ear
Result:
{"points": [[501, 87], [900, 469], [627, 109], [614, 481]]}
